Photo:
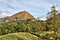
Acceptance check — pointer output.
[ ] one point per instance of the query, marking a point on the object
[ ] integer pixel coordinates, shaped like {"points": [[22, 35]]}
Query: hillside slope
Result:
{"points": [[24, 15], [19, 36]]}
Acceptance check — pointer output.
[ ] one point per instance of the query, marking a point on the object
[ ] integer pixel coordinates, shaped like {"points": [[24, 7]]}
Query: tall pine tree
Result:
{"points": [[53, 21]]}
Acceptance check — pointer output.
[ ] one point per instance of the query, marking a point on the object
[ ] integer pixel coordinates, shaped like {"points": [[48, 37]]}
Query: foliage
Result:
{"points": [[21, 26]]}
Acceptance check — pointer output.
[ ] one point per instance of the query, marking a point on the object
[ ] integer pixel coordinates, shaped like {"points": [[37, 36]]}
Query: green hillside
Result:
{"points": [[19, 36]]}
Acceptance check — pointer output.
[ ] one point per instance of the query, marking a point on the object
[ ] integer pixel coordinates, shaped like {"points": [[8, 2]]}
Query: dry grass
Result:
{"points": [[19, 36]]}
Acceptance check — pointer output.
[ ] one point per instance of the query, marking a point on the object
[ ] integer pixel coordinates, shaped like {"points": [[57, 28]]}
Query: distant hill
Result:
{"points": [[19, 36], [24, 15]]}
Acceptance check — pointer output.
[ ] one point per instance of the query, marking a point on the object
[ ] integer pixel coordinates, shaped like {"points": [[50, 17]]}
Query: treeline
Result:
{"points": [[42, 29], [22, 26]]}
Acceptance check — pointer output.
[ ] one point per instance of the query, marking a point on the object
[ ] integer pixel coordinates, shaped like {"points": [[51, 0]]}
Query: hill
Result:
{"points": [[19, 36], [24, 15]]}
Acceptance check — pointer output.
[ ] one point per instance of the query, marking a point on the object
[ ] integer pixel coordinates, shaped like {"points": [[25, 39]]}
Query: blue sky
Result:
{"points": [[38, 8]]}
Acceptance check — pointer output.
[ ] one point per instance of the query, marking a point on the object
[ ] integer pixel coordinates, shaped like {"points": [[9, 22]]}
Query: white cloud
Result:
{"points": [[57, 8], [3, 14]]}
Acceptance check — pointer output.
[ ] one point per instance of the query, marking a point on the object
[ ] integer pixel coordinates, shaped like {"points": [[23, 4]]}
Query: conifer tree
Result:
{"points": [[53, 21]]}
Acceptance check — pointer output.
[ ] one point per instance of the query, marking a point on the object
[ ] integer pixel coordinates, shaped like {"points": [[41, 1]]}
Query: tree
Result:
{"points": [[53, 20]]}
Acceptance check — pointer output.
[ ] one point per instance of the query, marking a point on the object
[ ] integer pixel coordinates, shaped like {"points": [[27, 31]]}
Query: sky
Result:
{"points": [[37, 8]]}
